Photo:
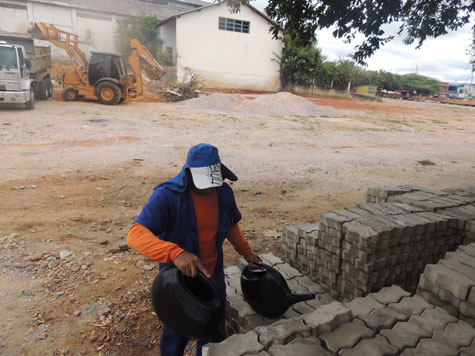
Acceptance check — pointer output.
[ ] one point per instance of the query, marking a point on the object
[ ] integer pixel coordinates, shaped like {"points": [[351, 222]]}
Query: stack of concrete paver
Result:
{"points": [[240, 318], [360, 249], [450, 283], [389, 322]]}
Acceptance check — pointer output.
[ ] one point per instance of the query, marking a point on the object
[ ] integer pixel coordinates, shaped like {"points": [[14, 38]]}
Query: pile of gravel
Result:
{"points": [[279, 104]]}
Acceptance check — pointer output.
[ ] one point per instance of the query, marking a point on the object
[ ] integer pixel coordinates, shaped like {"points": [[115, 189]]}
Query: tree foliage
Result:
{"points": [[143, 28], [418, 19]]}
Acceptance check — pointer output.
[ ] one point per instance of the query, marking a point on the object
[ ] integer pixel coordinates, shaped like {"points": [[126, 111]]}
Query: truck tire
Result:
{"points": [[30, 104], [43, 90], [49, 88], [69, 94], [108, 93]]}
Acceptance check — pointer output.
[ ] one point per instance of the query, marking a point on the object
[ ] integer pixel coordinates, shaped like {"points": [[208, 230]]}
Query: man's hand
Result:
{"points": [[189, 264], [253, 261]]}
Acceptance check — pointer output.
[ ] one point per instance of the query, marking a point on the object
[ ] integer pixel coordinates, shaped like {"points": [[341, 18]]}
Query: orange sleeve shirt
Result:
{"points": [[206, 211]]}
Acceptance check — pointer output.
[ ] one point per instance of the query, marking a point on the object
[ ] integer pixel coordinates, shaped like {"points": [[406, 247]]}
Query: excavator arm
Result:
{"points": [[154, 69], [67, 41]]}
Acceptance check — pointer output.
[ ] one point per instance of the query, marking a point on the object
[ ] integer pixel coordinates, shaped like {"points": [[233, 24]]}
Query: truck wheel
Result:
{"points": [[49, 88], [43, 90], [108, 93], [30, 104], [69, 94]]}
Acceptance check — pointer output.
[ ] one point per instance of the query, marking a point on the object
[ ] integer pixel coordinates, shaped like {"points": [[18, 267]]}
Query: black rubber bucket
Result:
{"points": [[192, 307], [267, 292]]}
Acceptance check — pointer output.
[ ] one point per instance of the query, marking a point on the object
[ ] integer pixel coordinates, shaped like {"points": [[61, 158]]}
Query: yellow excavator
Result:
{"points": [[104, 75]]}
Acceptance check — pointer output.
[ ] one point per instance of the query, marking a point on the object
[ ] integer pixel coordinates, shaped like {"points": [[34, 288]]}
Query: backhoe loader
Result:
{"points": [[104, 75]]}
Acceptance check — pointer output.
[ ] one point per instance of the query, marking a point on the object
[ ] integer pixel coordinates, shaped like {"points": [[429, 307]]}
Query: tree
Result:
{"points": [[299, 64], [143, 28], [419, 83], [420, 19]]}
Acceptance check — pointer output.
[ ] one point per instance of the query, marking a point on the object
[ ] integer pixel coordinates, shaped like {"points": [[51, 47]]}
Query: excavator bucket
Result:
{"points": [[152, 73], [42, 32]]}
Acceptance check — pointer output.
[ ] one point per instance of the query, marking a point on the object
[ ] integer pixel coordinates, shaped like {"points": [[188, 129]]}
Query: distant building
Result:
{"points": [[456, 90], [223, 49], [94, 21], [368, 90]]}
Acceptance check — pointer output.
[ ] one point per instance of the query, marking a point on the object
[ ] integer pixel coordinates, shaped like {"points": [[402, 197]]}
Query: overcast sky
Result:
{"points": [[444, 58]]}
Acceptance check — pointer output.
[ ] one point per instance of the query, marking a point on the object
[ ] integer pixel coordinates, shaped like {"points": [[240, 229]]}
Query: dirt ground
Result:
{"points": [[74, 176]]}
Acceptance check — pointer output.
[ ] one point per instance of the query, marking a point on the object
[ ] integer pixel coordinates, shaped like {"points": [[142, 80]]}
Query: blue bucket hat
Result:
{"points": [[201, 155]]}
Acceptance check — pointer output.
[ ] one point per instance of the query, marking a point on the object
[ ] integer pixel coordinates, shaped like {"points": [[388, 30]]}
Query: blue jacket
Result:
{"points": [[170, 215]]}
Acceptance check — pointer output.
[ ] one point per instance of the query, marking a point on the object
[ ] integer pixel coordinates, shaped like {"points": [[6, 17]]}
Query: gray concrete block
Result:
{"points": [[454, 265], [468, 350], [455, 282], [302, 308], [346, 335], [287, 271], [262, 353], [310, 346], [411, 305], [391, 294], [383, 318], [467, 309], [239, 307], [433, 319], [282, 331], [405, 334], [327, 317], [457, 334], [235, 345], [430, 347], [310, 285], [362, 306], [376, 346], [270, 259]]}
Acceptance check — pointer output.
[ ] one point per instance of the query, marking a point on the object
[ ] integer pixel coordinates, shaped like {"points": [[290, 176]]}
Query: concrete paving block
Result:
{"points": [[239, 307], [327, 317], [361, 234], [287, 271], [296, 287], [241, 263], [235, 345], [467, 309], [334, 220], [232, 270], [250, 322], [346, 335], [471, 297], [392, 294], [282, 331], [453, 264], [310, 285], [310, 346], [290, 314], [262, 353], [376, 346], [467, 319], [270, 259], [457, 334], [433, 319], [362, 306], [468, 350], [469, 250], [434, 299], [383, 318], [405, 334], [411, 305], [455, 282], [430, 347], [302, 308]]}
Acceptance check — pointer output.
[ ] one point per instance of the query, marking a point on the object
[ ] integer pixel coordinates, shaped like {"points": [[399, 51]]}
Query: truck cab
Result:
{"points": [[15, 83]]}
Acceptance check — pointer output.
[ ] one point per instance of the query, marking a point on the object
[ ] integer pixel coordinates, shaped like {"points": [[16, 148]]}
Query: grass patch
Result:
{"points": [[439, 122], [426, 162]]}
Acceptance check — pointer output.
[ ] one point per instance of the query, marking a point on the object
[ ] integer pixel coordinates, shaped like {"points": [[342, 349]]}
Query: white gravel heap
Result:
{"points": [[279, 104]]}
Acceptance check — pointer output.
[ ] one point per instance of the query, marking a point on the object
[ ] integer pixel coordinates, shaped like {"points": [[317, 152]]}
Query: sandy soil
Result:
{"points": [[73, 176]]}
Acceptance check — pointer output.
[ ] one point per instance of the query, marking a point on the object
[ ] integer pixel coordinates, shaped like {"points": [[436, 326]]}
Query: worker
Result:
{"points": [[192, 214]]}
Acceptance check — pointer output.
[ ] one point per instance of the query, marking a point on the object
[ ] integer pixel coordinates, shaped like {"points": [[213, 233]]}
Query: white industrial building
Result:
{"points": [[224, 49]]}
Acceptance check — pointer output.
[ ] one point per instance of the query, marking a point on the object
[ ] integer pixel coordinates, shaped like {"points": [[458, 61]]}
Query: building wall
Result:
{"points": [[94, 21], [167, 33], [226, 59]]}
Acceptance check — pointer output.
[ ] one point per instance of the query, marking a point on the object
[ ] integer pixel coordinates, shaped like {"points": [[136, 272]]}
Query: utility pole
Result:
{"points": [[416, 68]]}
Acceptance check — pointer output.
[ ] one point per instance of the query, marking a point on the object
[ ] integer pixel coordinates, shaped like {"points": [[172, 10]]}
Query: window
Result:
{"points": [[233, 25]]}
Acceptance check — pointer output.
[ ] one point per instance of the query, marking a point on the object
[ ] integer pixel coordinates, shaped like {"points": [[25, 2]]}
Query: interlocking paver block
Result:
{"points": [[405, 334], [327, 317], [283, 330], [391, 294], [411, 305], [453, 264], [239, 307], [383, 318], [461, 258], [302, 308], [455, 282], [270, 259], [433, 319], [457, 334], [346, 335], [310, 285], [468, 350], [300, 347], [376, 346], [361, 306], [287, 271], [234, 345], [430, 347], [262, 353]]}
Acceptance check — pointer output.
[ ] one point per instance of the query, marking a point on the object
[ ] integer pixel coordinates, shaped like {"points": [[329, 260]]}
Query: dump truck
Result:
{"points": [[24, 70], [104, 75]]}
